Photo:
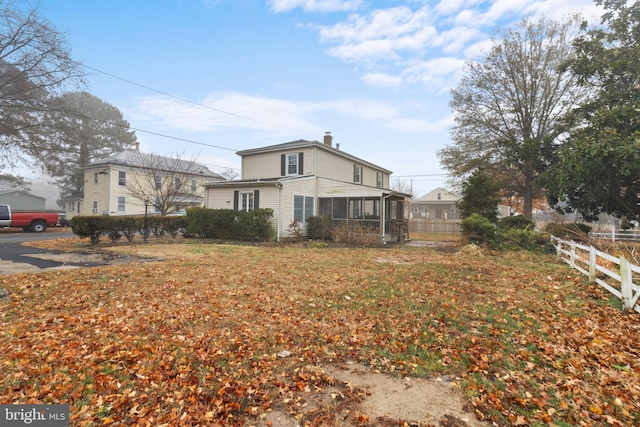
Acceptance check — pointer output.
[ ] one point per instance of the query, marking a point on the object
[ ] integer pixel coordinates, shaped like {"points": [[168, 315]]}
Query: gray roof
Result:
{"points": [[138, 159]]}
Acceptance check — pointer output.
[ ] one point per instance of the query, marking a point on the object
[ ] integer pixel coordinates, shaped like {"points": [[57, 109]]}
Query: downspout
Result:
{"points": [[278, 223]]}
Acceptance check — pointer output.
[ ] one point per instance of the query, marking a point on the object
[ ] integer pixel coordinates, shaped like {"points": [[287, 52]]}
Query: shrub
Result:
{"points": [[515, 239], [229, 224], [319, 227], [357, 234], [517, 222], [89, 226], [478, 229]]}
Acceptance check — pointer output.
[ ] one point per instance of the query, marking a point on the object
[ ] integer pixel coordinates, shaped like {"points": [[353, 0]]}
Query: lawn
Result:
{"points": [[227, 334]]}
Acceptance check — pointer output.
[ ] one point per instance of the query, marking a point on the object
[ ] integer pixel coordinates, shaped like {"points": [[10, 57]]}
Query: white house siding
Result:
{"points": [[329, 164], [107, 191], [332, 188], [295, 187], [222, 198], [267, 165], [219, 198]]}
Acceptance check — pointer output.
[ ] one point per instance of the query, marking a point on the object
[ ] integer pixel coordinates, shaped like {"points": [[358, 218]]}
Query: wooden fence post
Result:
{"points": [[592, 264], [625, 279], [572, 256]]}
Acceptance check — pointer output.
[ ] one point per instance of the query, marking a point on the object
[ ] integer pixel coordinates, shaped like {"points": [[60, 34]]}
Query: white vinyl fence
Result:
{"points": [[616, 235], [596, 264]]}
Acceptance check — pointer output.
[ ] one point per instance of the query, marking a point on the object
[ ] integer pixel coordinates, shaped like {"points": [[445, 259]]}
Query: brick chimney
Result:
{"points": [[328, 139], [137, 146]]}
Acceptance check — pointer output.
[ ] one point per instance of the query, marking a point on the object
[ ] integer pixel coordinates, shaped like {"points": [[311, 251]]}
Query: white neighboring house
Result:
{"points": [[441, 204], [436, 204], [114, 185], [300, 179]]}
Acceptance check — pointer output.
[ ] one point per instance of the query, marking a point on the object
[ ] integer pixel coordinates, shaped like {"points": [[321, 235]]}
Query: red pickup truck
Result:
{"points": [[28, 221]]}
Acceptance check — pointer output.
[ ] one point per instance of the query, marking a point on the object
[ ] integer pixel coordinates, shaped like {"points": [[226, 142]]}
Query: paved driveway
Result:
{"points": [[16, 258]]}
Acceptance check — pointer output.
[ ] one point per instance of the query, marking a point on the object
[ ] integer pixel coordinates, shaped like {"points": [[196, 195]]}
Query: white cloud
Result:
{"points": [[437, 74], [382, 80], [271, 115], [223, 111], [315, 5]]}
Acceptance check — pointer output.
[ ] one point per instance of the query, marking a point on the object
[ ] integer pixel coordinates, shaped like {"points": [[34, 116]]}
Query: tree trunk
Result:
{"points": [[527, 209]]}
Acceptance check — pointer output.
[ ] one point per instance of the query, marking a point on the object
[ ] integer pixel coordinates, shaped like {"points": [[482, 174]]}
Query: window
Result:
{"points": [[4, 213], [302, 208], [95, 177], [246, 201], [71, 206], [177, 181], [158, 180], [379, 180], [122, 178], [95, 206], [357, 174], [122, 204], [194, 185], [439, 196], [291, 164]]}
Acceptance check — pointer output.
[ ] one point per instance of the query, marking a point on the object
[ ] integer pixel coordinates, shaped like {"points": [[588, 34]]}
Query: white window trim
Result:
{"points": [[304, 207], [241, 201], [124, 198], [286, 164], [359, 175]]}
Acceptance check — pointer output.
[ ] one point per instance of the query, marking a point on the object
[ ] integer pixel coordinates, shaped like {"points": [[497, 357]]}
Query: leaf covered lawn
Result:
{"points": [[194, 339]]}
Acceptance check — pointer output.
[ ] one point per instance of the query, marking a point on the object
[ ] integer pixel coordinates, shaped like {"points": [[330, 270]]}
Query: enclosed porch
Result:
{"points": [[387, 214]]}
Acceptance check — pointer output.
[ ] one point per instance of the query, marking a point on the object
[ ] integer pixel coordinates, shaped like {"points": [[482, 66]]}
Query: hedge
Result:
{"points": [[200, 222]]}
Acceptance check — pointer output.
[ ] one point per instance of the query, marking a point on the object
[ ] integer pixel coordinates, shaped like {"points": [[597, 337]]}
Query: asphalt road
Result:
{"points": [[16, 258]]}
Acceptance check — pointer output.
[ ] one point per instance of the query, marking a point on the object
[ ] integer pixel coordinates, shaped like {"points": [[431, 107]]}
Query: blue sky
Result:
{"points": [[238, 74]]}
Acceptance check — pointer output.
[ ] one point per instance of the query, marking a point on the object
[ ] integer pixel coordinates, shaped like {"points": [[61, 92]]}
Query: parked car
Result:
{"points": [[28, 221]]}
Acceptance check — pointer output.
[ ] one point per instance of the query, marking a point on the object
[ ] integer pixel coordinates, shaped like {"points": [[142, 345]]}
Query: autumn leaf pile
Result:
{"points": [[223, 334]]}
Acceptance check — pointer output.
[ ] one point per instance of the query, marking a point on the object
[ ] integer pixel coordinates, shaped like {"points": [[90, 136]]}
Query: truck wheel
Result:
{"points": [[38, 226]]}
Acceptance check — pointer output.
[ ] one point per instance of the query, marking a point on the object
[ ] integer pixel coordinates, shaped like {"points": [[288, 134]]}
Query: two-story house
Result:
{"points": [[302, 178], [437, 204], [132, 182]]}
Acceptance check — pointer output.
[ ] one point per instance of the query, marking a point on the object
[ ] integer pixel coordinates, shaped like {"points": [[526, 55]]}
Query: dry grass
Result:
{"points": [[194, 339]]}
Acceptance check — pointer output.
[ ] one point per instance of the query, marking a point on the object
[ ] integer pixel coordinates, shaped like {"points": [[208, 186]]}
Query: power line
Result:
{"points": [[180, 98]]}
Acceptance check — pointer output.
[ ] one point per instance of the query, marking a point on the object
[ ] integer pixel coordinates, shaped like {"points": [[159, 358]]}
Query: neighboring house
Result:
{"points": [[441, 204], [20, 200], [437, 204], [121, 184], [302, 178]]}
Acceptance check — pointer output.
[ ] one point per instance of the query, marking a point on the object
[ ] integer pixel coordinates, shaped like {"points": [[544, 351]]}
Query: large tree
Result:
{"points": [[34, 63], [598, 168], [509, 105], [81, 128]]}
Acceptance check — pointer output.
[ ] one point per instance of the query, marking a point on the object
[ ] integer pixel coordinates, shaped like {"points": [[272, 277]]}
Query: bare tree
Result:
{"points": [[229, 174], [402, 187], [168, 183], [34, 63], [509, 107]]}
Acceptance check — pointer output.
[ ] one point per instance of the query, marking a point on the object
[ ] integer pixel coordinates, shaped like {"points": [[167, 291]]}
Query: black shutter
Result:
{"points": [[236, 196], [256, 199], [300, 163], [283, 160]]}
